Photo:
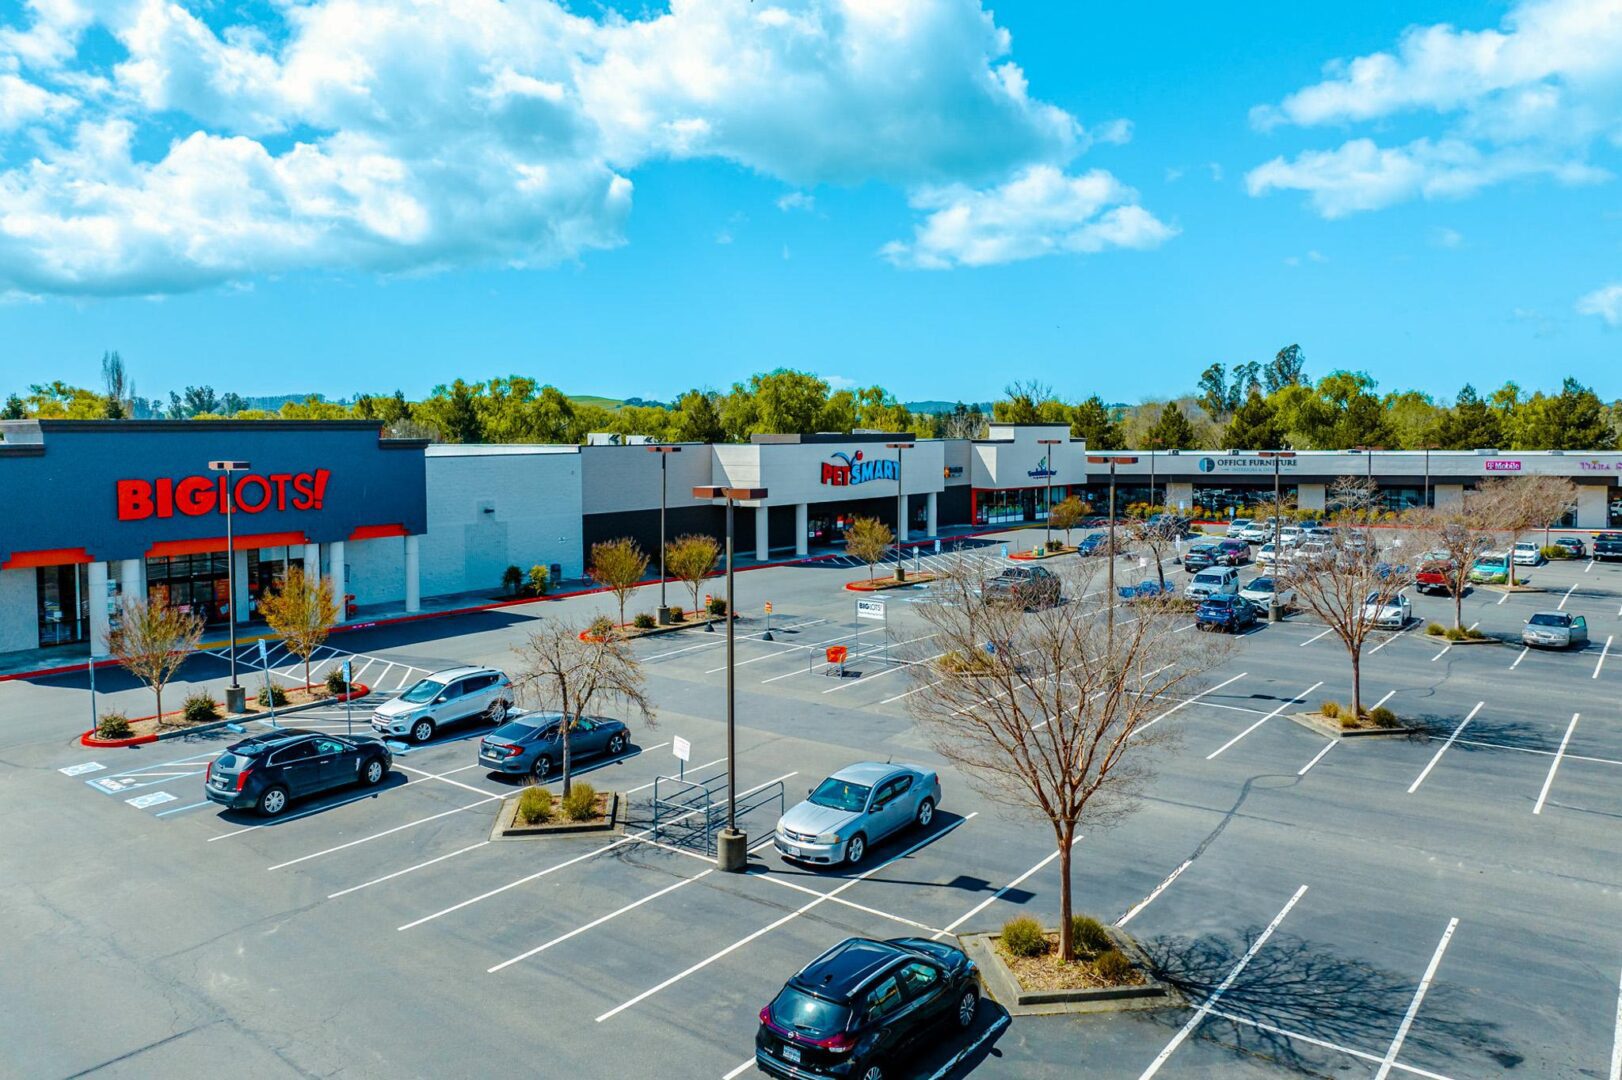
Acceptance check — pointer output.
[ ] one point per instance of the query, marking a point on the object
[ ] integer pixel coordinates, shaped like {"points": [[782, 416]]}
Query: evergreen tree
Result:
{"points": [[1284, 369], [1363, 423], [1573, 419], [1470, 425], [1254, 426], [14, 409], [1172, 431], [1092, 421]]}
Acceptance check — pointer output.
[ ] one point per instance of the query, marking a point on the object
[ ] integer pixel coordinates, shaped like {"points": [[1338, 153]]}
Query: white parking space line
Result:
{"points": [[386, 832], [1420, 779], [994, 897], [1566, 597], [1548, 781], [720, 639], [457, 783], [1413, 1006], [1190, 701], [355, 673], [381, 675], [1616, 1046], [1297, 700], [1319, 756], [897, 665], [1603, 653], [407, 870], [1502, 598], [178, 809], [1154, 893], [853, 905], [740, 1070], [598, 921], [1296, 1036], [1589, 567], [1389, 694], [695, 768], [1222, 988], [801, 910], [1316, 636], [963, 1054], [1389, 639], [302, 814], [1524, 650]]}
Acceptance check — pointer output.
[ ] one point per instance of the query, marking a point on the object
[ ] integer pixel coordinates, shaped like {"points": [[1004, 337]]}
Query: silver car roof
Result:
{"points": [[870, 772], [459, 672]]}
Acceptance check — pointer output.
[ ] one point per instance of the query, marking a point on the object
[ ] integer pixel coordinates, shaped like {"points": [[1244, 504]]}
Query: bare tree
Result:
{"points": [[303, 612], [152, 640], [1347, 588], [1157, 538], [691, 558], [868, 539], [1459, 532], [1526, 503], [1048, 712], [1065, 514], [1353, 500], [570, 670], [618, 565]]}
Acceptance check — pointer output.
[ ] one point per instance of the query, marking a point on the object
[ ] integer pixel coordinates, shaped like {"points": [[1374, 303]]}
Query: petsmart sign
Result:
{"points": [[847, 469]]}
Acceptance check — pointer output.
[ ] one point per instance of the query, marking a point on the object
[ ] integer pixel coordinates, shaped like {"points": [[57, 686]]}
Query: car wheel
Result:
{"points": [[616, 745], [373, 772], [926, 812], [273, 801], [855, 849], [422, 731], [542, 768], [873, 1072], [497, 712], [967, 1005]]}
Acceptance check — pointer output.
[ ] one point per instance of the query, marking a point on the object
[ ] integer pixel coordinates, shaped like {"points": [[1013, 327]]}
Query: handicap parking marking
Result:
{"points": [[153, 798], [82, 768]]}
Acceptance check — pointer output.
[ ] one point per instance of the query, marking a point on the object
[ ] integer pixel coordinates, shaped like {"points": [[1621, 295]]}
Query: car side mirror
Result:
{"points": [[440, 700]]}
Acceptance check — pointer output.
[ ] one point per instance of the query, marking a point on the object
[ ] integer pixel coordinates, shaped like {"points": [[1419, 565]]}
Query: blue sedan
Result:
{"points": [[532, 744]]}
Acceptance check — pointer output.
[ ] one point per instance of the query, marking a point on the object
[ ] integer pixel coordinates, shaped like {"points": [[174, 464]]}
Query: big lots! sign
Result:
{"points": [[195, 496]]}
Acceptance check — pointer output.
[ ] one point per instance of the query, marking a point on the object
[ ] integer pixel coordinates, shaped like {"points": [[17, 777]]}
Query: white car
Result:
{"points": [[1393, 614], [1266, 555], [1254, 532], [1309, 551], [446, 697], [1237, 527], [1528, 553], [1217, 581], [1290, 535], [1263, 591]]}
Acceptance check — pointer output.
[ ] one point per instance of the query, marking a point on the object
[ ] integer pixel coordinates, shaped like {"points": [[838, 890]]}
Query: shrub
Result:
{"points": [[535, 805], [335, 682], [113, 725], [601, 627], [539, 577], [643, 621], [974, 662], [1330, 709], [272, 695], [1473, 634], [1023, 936], [1555, 551], [1436, 629], [1348, 722], [677, 614], [1383, 717], [200, 708], [581, 802], [1113, 967], [717, 605], [1089, 935], [511, 578], [1455, 633]]}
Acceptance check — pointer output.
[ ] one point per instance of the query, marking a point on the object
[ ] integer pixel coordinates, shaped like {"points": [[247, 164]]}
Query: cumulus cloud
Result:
{"points": [[1042, 211], [396, 136], [1604, 302], [1534, 96], [796, 200]]}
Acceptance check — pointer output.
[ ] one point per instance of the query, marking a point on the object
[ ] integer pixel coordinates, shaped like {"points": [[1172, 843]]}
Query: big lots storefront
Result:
{"points": [[100, 510]]}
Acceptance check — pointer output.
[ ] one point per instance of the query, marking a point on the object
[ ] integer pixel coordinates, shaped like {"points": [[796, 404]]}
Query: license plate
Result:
{"points": [[220, 782], [790, 849], [791, 1054]]}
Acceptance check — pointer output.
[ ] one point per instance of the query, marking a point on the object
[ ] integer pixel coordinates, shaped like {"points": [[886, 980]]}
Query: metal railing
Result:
{"points": [[689, 813]]}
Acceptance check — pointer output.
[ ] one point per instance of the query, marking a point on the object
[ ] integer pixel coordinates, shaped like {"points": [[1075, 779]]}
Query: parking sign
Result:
{"points": [[681, 748]]}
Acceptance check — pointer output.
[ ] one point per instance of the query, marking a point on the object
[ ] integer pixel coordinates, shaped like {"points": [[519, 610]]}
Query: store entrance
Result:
{"points": [[64, 604], [200, 584]]}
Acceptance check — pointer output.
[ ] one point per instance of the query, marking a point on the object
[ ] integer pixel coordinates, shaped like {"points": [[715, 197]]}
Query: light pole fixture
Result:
{"points": [[664, 453], [732, 846], [1047, 467], [900, 504], [1111, 460], [236, 699], [1428, 447], [1274, 613]]}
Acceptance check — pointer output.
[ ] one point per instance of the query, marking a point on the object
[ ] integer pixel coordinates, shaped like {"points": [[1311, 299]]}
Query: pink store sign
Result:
{"points": [[1502, 465]]}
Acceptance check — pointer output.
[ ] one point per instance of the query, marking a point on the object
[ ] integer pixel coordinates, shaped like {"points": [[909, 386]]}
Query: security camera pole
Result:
{"points": [[1111, 460], [236, 699], [1274, 612], [732, 846], [663, 452]]}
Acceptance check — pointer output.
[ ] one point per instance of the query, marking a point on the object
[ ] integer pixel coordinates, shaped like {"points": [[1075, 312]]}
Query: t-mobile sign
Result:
{"points": [[1503, 465]]}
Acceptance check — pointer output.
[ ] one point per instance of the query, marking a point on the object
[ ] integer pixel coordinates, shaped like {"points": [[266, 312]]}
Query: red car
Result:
{"points": [[1435, 575]]}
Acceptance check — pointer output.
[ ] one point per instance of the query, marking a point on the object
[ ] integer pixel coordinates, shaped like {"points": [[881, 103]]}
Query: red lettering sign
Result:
{"points": [[194, 496]]}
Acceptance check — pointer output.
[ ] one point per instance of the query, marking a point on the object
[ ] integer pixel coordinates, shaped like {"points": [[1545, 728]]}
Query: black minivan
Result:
{"points": [[865, 1008], [266, 772]]}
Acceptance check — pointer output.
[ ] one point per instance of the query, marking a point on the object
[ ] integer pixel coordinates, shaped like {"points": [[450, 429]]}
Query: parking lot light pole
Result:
{"points": [[236, 699], [664, 453], [900, 504], [732, 846], [1274, 612], [1111, 460], [1047, 467], [1428, 447]]}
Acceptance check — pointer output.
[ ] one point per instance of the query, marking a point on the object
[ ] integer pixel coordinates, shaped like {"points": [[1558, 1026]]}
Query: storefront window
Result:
{"points": [[1231, 502], [64, 604], [1126, 495], [200, 584], [1015, 506]]}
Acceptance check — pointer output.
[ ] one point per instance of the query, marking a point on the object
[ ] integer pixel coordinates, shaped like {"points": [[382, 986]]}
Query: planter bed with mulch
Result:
{"points": [[1442, 638], [1052, 551], [1335, 728], [173, 725], [610, 818], [1518, 587], [627, 631], [881, 584], [1043, 985]]}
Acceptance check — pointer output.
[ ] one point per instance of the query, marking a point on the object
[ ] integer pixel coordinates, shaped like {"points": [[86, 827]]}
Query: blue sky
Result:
{"points": [[332, 196]]}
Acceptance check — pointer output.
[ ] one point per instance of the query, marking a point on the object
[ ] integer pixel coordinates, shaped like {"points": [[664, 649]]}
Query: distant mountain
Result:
{"points": [[935, 407], [594, 399]]}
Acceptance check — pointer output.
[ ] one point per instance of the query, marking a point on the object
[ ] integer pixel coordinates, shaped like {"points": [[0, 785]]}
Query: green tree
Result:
{"points": [[303, 611], [1415, 420], [453, 412], [1470, 424], [868, 539], [1171, 431], [1214, 392], [839, 413], [1285, 369], [1254, 426], [1573, 419], [1362, 423], [1091, 420], [1021, 403], [786, 402], [878, 410], [697, 418], [14, 408], [619, 566]]}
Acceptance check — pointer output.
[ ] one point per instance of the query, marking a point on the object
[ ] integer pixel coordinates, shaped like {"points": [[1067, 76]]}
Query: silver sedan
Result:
{"points": [[854, 809]]}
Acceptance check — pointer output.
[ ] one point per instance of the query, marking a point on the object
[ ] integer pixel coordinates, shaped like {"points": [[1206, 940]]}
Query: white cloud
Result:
{"points": [[796, 200], [1041, 211], [402, 135], [1114, 132], [1532, 97], [1604, 302], [838, 382], [1444, 237]]}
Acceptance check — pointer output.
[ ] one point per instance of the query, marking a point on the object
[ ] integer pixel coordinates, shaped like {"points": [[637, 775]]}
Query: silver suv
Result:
{"points": [[446, 697]]}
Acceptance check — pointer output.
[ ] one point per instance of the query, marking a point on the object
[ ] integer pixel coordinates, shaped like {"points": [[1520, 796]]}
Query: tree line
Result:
{"points": [[1250, 405]]}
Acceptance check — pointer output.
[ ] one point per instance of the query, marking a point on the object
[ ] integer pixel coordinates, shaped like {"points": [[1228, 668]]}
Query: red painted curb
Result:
{"points": [[359, 690], [884, 586], [89, 739]]}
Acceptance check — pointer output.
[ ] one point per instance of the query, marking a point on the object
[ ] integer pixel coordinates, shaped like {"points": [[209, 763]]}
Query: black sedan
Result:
{"points": [[1027, 586], [865, 1008], [266, 772]]}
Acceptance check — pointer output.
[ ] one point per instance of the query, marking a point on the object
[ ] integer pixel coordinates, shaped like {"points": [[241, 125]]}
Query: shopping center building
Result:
{"points": [[100, 510]]}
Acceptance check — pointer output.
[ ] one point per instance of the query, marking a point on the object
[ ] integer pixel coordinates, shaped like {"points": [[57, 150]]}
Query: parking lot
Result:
{"points": [[1444, 905]]}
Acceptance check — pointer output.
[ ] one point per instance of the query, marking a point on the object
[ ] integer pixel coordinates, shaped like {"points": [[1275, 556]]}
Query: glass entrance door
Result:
{"points": [[64, 604]]}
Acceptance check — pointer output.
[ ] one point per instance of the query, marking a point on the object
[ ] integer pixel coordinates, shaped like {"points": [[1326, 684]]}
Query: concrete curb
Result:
{"points": [[506, 827], [89, 737], [1316, 722], [1004, 988]]}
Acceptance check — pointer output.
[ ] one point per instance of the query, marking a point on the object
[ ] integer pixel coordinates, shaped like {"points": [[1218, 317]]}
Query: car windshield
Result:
{"points": [[1240, 523], [426, 690], [812, 1015], [1609, 537], [1490, 560], [840, 795], [513, 732], [1209, 579], [1547, 620], [1374, 598], [1219, 602], [1262, 584]]}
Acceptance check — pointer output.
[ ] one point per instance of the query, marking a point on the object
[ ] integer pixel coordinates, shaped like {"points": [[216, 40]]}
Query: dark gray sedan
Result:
{"points": [[532, 744]]}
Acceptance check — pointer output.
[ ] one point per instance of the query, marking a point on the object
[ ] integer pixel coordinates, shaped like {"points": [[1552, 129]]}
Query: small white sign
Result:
{"points": [[262, 660], [681, 748], [82, 768], [156, 798], [937, 547], [870, 609]]}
